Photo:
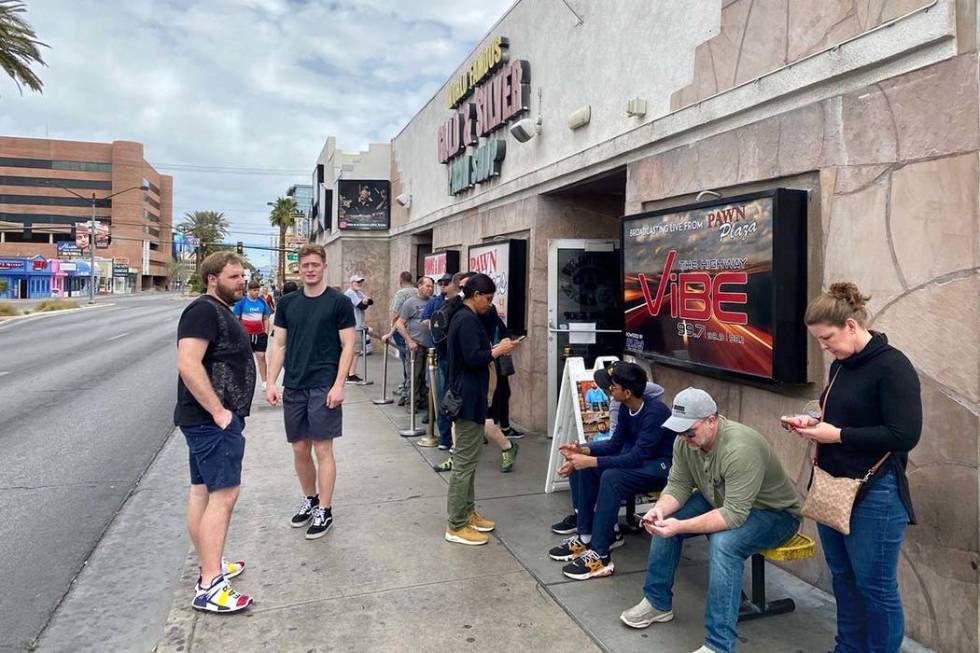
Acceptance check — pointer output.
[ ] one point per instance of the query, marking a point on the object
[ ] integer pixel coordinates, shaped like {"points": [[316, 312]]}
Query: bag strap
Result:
{"points": [[823, 408]]}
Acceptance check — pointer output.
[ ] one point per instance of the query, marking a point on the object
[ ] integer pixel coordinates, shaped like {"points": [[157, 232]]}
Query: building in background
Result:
{"points": [[303, 194], [38, 216], [527, 158]]}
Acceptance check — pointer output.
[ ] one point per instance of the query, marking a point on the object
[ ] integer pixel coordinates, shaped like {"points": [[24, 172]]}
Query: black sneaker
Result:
{"points": [[304, 513], [321, 524], [566, 526], [589, 565], [617, 540], [512, 433], [353, 378]]}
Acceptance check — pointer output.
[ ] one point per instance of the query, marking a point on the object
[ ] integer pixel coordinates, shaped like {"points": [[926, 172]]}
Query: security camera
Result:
{"points": [[404, 199], [525, 130]]}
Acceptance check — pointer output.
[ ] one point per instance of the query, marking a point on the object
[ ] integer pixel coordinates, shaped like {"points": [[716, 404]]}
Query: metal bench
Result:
{"points": [[798, 547]]}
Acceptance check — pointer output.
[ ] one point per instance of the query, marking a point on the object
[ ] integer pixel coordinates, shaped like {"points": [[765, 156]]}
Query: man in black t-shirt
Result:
{"points": [[216, 380], [315, 338]]}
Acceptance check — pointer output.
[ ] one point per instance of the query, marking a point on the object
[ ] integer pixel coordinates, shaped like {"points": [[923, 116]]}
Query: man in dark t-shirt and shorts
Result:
{"points": [[216, 380], [315, 339]]}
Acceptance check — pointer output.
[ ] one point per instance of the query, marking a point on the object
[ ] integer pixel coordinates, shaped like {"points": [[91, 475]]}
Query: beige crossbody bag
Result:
{"points": [[830, 500]]}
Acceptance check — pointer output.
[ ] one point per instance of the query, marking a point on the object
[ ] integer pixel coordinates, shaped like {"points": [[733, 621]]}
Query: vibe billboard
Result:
{"points": [[720, 286], [363, 204]]}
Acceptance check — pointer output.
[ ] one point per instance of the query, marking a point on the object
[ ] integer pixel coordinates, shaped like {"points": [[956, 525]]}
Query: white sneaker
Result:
{"points": [[704, 649], [643, 614]]}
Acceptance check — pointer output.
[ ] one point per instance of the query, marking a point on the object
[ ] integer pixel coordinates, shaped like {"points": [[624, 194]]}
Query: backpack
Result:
{"points": [[439, 324]]}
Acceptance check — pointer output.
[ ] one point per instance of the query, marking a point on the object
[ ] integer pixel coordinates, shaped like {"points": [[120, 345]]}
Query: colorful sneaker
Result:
{"points": [[569, 549], [480, 523], [566, 526], [643, 614], [508, 457], [466, 535], [589, 565], [304, 513], [321, 523], [219, 597], [232, 568], [445, 466]]}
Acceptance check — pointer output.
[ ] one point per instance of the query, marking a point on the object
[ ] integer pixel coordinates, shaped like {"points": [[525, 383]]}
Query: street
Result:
{"points": [[86, 401]]}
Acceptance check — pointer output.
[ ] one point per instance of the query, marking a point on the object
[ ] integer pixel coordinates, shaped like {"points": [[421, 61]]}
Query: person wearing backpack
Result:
{"points": [[439, 332]]}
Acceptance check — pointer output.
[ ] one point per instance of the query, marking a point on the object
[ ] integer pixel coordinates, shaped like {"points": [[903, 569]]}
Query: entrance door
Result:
{"points": [[585, 297], [22, 288]]}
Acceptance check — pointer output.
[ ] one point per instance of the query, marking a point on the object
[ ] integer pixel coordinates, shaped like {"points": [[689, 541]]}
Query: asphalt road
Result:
{"points": [[86, 402]]}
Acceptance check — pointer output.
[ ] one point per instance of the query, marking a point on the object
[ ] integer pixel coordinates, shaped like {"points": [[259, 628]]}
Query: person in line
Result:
{"points": [[406, 289], [267, 297], [253, 312], [470, 358], [872, 408], [215, 384], [315, 340], [444, 425], [415, 332], [635, 460], [652, 392], [500, 406], [744, 503], [492, 432], [361, 302]]}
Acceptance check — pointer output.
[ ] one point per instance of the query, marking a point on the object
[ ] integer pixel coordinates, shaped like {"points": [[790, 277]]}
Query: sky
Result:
{"points": [[252, 85]]}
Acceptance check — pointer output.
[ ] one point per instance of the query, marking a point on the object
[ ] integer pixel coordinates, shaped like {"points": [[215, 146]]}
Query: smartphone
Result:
{"points": [[787, 422], [519, 338]]}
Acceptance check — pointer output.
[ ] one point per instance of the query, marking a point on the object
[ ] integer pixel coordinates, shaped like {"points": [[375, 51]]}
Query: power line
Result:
{"points": [[230, 170]]}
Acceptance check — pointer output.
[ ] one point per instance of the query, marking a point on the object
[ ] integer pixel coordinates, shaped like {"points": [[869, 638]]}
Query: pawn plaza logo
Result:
{"points": [[489, 94]]}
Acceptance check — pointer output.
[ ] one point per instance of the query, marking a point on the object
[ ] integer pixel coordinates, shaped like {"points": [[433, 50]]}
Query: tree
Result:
{"points": [[176, 270], [208, 227], [19, 47], [283, 216]]}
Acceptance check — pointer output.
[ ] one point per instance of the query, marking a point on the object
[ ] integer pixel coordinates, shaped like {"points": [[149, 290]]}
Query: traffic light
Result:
{"points": [[241, 247]]}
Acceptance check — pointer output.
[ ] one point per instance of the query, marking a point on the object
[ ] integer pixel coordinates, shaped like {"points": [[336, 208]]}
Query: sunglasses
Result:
{"points": [[690, 433]]}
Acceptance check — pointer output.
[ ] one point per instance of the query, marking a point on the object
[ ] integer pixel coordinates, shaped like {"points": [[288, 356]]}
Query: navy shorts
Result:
{"points": [[307, 416], [260, 342], [216, 454]]}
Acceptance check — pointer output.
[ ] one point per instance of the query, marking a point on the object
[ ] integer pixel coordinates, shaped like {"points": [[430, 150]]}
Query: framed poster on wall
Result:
{"points": [[363, 204], [720, 286], [436, 265], [505, 262]]}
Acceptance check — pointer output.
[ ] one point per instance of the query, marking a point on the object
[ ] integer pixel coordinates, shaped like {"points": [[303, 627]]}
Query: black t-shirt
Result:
{"points": [[228, 360], [313, 327]]}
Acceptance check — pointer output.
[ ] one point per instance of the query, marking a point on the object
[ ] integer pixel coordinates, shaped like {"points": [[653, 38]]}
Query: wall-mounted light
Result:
{"points": [[636, 107], [580, 117]]}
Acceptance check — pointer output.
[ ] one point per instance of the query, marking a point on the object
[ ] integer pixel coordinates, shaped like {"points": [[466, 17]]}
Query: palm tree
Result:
{"points": [[208, 227], [19, 46], [283, 216]]}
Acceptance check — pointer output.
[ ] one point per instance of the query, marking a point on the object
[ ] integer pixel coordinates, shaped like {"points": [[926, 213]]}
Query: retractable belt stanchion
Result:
{"points": [[430, 439], [412, 429], [364, 379], [383, 399]]}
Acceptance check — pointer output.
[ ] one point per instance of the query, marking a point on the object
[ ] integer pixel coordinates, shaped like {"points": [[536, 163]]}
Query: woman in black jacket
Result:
{"points": [[470, 355], [872, 409]]}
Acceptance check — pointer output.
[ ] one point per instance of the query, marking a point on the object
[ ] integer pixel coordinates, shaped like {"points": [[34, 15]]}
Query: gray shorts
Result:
{"points": [[307, 416]]}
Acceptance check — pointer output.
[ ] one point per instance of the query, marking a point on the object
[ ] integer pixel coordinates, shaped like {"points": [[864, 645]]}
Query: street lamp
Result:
{"points": [[91, 232]]}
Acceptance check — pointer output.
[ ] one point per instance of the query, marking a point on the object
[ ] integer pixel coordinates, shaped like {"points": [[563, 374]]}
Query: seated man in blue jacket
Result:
{"points": [[635, 459]]}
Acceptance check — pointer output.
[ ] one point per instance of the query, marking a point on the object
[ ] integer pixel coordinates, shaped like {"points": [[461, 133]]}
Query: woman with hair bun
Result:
{"points": [[872, 408]]}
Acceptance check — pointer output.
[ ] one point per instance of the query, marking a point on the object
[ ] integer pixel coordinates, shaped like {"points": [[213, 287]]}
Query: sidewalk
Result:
{"points": [[384, 579]]}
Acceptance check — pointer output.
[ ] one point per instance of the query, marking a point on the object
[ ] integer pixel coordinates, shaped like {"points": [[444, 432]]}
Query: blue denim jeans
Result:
{"points": [[443, 423], [864, 568], [597, 493], [729, 550], [399, 343]]}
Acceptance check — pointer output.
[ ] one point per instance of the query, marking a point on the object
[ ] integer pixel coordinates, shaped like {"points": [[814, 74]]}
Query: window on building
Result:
{"points": [[40, 200], [25, 237], [55, 182]]}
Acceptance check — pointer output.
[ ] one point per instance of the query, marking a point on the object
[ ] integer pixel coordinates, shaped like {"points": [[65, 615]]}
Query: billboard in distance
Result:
{"points": [[363, 204], [720, 286]]}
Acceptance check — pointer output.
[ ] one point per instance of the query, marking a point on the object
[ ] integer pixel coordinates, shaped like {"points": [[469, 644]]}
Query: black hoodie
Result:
{"points": [[875, 401]]}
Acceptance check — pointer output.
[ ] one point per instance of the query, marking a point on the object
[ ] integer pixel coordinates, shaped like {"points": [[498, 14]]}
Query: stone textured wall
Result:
{"points": [[759, 36], [897, 165]]}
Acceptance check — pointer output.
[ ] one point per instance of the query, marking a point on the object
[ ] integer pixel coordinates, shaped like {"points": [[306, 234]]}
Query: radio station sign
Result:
{"points": [[68, 248], [490, 94], [720, 286]]}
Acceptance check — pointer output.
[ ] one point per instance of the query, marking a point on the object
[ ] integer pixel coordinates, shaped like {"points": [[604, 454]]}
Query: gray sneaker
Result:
{"points": [[643, 614]]}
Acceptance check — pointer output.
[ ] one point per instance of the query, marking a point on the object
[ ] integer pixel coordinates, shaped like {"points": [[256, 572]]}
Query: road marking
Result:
{"points": [[117, 337], [4, 373]]}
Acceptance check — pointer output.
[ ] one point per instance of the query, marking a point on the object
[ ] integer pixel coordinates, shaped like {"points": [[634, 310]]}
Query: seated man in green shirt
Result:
{"points": [[745, 503]]}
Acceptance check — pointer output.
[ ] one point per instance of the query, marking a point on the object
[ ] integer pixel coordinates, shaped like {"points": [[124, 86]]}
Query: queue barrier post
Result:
{"points": [[412, 429], [383, 399], [430, 439], [364, 379]]}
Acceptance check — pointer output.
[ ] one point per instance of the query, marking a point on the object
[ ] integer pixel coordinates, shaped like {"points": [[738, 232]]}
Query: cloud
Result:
{"points": [[246, 83]]}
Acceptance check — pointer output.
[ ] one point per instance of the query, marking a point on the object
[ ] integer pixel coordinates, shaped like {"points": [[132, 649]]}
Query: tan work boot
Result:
{"points": [[480, 523], [466, 535]]}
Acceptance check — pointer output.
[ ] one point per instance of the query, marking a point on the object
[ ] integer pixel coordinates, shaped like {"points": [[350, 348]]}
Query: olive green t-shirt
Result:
{"points": [[740, 473]]}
